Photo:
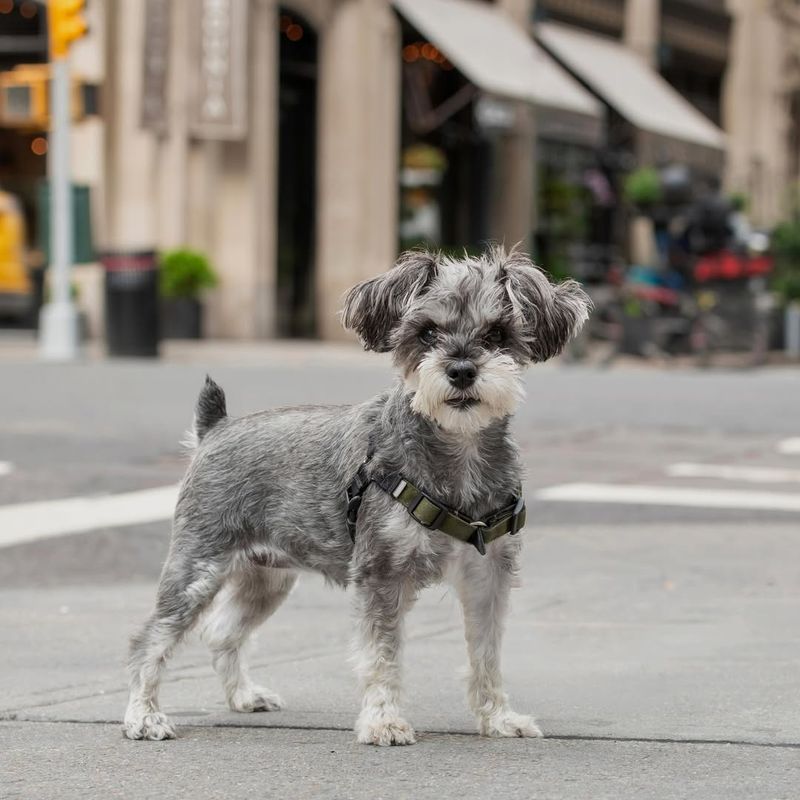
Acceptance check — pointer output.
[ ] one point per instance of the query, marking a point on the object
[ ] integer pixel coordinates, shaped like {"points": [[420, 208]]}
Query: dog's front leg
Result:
{"points": [[483, 584], [381, 608]]}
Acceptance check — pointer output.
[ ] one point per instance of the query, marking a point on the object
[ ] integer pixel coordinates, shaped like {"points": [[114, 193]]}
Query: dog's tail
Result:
{"points": [[210, 409]]}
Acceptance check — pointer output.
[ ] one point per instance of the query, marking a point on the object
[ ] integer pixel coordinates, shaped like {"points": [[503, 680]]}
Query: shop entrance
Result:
{"points": [[445, 191], [296, 176]]}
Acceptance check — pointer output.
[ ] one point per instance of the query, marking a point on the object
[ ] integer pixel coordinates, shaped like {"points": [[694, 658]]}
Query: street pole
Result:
{"points": [[58, 321]]}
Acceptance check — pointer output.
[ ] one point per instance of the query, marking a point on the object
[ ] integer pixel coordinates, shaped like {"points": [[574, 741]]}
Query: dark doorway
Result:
{"points": [[297, 145], [446, 161]]}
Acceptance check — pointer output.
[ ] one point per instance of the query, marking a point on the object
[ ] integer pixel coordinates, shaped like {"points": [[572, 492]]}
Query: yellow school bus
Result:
{"points": [[16, 291]]}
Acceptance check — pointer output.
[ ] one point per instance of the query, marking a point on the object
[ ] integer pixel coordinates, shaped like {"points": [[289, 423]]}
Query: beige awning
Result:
{"points": [[497, 55], [630, 86]]}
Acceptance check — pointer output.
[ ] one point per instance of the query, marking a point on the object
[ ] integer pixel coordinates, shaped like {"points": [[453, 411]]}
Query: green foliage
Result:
{"points": [[788, 286], [739, 201], [786, 245], [643, 187], [185, 273], [786, 242]]}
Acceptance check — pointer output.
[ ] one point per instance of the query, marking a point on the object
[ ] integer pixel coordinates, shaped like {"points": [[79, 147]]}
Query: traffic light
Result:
{"points": [[66, 25], [24, 97]]}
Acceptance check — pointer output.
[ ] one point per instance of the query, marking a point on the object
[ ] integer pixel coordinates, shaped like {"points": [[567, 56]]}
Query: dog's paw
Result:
{"points": [[154, 726], [254, 698], [383, 730], [508, 724]]}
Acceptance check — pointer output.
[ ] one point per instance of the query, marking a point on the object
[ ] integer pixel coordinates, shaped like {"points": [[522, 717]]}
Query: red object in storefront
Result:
{"points": [[728, 266]]}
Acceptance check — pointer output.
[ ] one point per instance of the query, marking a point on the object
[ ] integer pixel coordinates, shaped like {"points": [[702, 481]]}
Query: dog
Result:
{"points": [[416, 486]]}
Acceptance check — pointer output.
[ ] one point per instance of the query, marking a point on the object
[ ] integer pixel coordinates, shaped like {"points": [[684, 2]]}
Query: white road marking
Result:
{"points": [[669, 496], [27, 522], [790, 447], [6, 467], [734, 472]]}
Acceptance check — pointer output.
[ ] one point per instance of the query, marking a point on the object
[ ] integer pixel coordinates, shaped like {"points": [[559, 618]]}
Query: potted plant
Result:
{"points": [[786, 245], [643, 189], [183, 275]]}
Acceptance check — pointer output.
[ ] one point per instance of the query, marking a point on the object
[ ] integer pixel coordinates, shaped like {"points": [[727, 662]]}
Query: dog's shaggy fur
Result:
{"points": [[264, 495]]}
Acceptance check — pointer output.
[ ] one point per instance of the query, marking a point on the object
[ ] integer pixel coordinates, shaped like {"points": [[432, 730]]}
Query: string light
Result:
{"points": [[410, 53], [428, 51]]}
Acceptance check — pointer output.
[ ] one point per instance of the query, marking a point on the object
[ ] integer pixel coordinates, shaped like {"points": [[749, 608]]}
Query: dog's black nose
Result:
{"points": [[462, 373]]}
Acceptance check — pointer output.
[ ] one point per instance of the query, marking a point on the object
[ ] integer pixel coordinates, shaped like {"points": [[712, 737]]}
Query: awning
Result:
{"points": [[498, 56], [631, 87]]}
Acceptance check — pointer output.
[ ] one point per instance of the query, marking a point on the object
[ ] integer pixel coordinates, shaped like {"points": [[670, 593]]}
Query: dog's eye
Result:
{"points": [[428, 335], [495, 336]]}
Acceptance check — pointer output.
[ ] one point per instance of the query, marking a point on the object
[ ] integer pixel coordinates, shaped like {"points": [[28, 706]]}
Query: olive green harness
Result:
{"points": [[432, 514]]}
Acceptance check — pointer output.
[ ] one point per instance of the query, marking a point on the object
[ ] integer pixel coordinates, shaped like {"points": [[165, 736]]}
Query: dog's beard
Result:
{"points": [[496, 393]]}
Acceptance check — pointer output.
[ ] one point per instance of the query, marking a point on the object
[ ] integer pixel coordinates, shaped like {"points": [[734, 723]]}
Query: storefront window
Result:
{"points": [[444, 161], [576, 202]]}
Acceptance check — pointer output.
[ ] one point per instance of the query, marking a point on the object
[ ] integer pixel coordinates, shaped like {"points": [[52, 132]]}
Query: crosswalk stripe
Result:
{"points": [[26, 522], [734, 472], [6, 467], [670, 496], [790, 447]]}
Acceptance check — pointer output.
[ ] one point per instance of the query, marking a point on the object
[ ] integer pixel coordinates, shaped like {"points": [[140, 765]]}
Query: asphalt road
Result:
{"points": [[656, 637]]}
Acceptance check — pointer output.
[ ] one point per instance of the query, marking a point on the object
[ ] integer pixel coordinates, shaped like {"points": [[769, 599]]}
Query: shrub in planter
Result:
{"points": [[786, 244], [643, 189], [183, 275]]}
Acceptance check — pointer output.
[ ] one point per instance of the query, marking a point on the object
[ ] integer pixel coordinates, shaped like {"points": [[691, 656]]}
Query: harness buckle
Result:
{"points": [[476, 540]]}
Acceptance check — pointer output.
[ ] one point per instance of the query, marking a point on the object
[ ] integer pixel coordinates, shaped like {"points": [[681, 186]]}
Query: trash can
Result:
{"points": [[131, 303]]}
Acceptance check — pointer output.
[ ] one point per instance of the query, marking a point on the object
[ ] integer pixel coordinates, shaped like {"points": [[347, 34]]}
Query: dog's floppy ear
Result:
{"points": [[373, 308], [551, 314]]}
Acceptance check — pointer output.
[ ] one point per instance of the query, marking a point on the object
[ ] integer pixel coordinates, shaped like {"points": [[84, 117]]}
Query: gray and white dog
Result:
{"points": [[264, 495]]}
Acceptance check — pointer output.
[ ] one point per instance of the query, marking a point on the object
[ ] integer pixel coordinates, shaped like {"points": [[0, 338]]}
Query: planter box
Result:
{"points": [[181, 318], [791, 328]]}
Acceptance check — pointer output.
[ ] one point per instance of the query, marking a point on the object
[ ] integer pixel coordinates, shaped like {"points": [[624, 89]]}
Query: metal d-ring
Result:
{"points": [[477, 537]]}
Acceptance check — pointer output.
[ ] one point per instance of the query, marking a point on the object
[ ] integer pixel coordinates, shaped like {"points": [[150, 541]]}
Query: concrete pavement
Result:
{"points": [[658, 646]]}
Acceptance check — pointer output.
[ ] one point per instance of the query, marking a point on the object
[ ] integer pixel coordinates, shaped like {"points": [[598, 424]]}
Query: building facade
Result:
{"points": [[737, 61], [305, 198], [300, 144]]}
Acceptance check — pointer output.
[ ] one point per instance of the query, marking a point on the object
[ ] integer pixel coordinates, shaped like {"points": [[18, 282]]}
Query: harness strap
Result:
{"points": [[434, 515], [354, 494]]}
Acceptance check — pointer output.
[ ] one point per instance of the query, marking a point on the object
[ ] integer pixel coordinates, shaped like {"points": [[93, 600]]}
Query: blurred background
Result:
{"points": [[215, 175], [248, 160]]}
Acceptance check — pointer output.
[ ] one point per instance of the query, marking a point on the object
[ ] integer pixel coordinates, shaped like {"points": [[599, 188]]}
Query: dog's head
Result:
{"points": [[462, 330]]}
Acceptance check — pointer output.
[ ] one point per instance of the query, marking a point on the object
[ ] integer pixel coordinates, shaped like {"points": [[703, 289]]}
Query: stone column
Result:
{"points": [[754, 111], [358, 151], [130, 218], [513, 209], [642, 26], [232, 202], [173, 147]]}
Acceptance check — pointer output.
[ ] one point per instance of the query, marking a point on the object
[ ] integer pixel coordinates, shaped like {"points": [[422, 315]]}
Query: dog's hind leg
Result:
{"points": [[187, 586], [483, 584], [246, 599]]}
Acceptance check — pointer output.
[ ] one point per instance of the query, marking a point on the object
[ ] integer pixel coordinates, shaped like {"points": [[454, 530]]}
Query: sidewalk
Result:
{"points": [[20, 346], [655, 659], [657, 644]]}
